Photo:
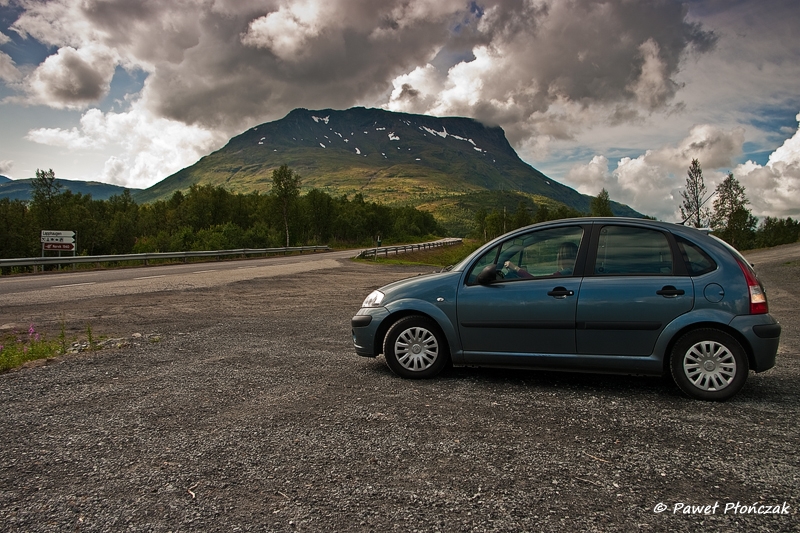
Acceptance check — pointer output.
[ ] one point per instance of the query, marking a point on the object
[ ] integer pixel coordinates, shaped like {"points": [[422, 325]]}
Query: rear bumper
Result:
{"points": [[767, 331], [763, 334]]}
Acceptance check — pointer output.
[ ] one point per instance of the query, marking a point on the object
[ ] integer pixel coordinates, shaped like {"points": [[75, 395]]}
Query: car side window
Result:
{"points": [[697, 261], [485, 260], [624, 250], [550, 252], [540, 253]]}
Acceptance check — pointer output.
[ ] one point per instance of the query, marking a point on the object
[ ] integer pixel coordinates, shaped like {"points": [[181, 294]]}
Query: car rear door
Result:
{"points": [[634, 286]]}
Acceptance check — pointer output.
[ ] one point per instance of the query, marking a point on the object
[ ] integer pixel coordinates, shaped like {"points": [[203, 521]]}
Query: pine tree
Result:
{"points": [[692, 209], [601, 205]]}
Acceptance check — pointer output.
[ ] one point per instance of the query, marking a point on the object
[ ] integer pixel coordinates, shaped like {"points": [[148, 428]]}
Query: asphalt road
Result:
{"points": [[65, 285], [239, 405]]}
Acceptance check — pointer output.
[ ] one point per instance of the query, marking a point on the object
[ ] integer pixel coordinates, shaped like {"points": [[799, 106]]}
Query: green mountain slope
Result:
{"points": [[387, 157], [21, 189]]}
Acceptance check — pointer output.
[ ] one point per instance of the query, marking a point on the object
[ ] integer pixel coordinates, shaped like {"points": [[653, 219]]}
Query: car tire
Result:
{"points": [[709, 364], [415, 347]]}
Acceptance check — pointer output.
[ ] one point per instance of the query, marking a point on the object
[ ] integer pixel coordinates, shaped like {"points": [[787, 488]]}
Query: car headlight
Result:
{"points": [[373, 300]]}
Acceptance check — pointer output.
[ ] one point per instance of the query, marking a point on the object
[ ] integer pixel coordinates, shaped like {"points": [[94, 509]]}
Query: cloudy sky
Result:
{"points": [[617, 94]]}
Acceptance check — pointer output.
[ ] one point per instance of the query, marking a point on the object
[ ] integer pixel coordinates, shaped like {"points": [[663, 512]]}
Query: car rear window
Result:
{"points": [[697, 261]]}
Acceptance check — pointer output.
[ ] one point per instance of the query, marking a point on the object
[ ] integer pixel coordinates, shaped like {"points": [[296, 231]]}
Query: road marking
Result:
{"points": [[204, 271], [152, 277], [73, 285]]}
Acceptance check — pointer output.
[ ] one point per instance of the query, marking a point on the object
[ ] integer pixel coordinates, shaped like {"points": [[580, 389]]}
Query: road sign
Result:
{"points": [[60, 246], [50, 235]]}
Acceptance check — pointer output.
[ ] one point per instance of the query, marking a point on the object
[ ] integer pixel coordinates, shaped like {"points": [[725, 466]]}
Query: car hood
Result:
{"points": [[418, 286]]}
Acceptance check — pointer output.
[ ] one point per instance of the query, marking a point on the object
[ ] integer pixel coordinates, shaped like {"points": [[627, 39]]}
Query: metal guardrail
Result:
{"points": [[374, 252], [145, 258]]}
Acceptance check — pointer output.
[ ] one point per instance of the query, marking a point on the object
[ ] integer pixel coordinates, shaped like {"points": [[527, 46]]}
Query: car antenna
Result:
{"points": [[685, 220]]}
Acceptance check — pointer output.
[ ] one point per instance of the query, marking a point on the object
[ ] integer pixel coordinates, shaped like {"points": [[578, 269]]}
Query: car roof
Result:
{"points": [[669, 226]]}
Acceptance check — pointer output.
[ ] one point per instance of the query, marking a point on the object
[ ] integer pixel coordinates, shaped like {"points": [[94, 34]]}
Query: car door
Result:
{"points": [[531, 309], [633, 288]]}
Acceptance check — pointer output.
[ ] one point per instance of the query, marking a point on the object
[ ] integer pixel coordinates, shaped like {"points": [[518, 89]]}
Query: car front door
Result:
{"points": [[632, 290], [530, 307]]}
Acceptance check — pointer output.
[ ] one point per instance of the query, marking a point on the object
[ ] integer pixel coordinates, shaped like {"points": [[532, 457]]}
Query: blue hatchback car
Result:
{"points": [[606, 295]]}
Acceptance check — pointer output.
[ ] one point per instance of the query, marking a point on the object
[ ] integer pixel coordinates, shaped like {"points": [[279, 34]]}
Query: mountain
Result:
{"points": [[21, 189], [4, 179], [386, 156]]}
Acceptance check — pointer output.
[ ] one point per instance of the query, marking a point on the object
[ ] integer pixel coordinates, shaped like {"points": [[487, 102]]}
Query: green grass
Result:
{"points": [[436, 257], [17, 348]]}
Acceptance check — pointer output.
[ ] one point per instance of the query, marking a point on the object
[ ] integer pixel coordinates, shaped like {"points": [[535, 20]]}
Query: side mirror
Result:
{"points": [[488, 275]]}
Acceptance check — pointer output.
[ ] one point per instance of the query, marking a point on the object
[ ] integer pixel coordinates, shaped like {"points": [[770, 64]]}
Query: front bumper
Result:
{"points": [[365, 326]]}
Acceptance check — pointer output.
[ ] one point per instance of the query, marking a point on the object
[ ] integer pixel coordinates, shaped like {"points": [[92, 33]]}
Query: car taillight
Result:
{"points": [[758, 300]]}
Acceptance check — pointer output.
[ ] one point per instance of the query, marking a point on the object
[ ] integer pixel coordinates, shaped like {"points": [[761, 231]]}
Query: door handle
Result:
{"points": [[668, 291], [560, 293]]}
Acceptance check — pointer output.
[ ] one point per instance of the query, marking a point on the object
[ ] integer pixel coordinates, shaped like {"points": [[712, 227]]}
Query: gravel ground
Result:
{"points": [[242, 407]]}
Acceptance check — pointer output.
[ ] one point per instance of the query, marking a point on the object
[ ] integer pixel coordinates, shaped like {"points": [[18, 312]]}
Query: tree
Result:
{"points": [[601, 205], [776, 231], [286, 189], [692, 209], [542, 214], [521, 216], [44, 193], [731, 220], [480, 223]]}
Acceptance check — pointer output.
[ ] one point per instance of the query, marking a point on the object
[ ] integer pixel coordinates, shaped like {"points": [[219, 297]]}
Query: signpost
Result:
{"points": [[58, 240]]}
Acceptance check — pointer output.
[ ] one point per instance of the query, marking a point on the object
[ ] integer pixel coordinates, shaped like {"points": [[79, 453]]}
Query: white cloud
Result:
{"points": [[5, 166], [651, 182], [150, 148], [547, 71], [285, 32], [8, 70], [73, 78], [774, 189], [653, 87], [415, 90]]}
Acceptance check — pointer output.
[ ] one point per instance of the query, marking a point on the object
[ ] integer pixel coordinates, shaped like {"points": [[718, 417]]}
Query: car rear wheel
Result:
{"points": [[415, 347], [709, 364]]}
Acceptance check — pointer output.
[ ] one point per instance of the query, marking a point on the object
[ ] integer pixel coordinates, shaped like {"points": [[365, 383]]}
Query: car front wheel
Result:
{"points": [[708, 364], [415, 347]]}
